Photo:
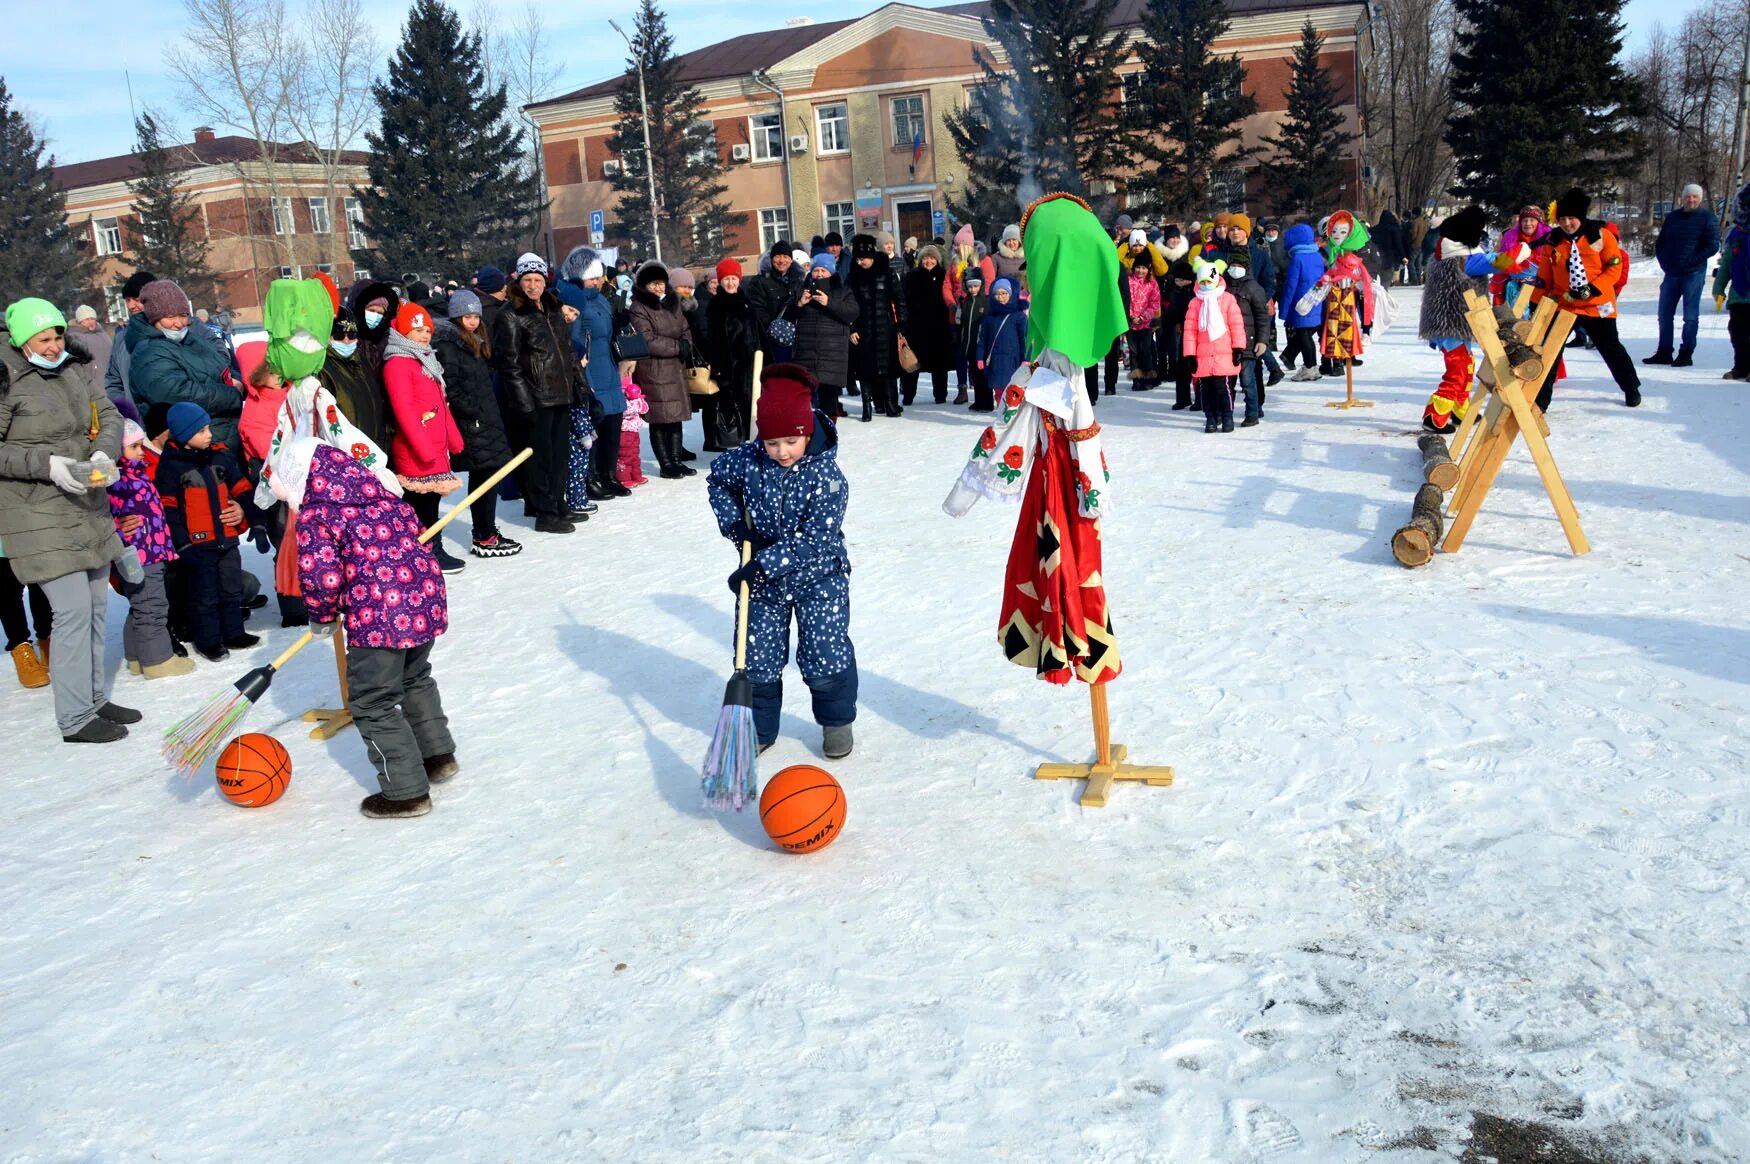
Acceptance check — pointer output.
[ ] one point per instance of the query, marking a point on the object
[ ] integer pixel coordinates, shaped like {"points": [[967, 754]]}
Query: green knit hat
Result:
{"points": [[27, 317], [1072, 272]]}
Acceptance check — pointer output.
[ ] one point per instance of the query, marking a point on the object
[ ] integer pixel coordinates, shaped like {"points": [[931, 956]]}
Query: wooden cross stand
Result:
{"points": [[1108, 765], [1488, 433]]}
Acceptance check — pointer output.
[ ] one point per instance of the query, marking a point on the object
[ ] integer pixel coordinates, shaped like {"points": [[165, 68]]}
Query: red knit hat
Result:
{"points": [[727, 268], [786, 402], [410, 316]]}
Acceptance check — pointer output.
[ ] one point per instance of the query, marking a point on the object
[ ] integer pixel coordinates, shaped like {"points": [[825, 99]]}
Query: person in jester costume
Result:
{"points": [[299, 317], [1458, 267], [1045, 455], [1349, 308]]}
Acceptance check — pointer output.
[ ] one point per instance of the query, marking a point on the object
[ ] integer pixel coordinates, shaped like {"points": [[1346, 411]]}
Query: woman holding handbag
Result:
{"points": [[881, 318], [661, 373], [931, 331], [733, 330], [701, 389]]}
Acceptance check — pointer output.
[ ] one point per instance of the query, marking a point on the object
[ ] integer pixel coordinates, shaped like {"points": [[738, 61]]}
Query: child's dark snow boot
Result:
{"points": [[836, 741], [379, 807], [440, 768]]}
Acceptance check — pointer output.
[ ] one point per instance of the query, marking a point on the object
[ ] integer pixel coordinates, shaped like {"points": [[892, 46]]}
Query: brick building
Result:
{"points": [[857, 138], [252, 236]]}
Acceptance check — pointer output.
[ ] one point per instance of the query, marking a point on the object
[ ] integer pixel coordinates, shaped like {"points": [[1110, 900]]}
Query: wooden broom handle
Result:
{"points": [[437, 526], [759, 360]]}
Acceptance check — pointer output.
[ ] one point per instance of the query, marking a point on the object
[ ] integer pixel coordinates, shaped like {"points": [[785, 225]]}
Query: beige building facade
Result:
{"points": [[841, 126], [253, 236]]}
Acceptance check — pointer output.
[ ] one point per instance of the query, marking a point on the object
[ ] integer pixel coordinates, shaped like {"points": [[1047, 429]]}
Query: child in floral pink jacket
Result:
{"points": [[631, 467], [139, 519]]}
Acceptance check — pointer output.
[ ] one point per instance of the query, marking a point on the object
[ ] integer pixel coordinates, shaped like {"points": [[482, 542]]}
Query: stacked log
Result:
{"points": [[1414, 544], [1513, 332]]}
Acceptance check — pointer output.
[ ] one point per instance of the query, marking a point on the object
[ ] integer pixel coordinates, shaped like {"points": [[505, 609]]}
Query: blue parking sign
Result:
{"points": [[596, 222]]}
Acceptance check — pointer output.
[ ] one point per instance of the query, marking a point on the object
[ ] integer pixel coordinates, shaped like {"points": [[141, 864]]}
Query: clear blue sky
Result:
{"points": [[73, 81]]}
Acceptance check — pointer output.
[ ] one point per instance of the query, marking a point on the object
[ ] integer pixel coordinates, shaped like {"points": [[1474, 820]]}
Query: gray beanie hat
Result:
{"points": [[1011, 233], [1695, 189], [1124, 222], [464, 303]]}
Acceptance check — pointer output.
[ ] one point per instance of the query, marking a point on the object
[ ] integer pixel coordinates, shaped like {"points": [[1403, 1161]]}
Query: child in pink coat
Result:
{"points": [[1215, 336], [1142, 296], [631, 468]]}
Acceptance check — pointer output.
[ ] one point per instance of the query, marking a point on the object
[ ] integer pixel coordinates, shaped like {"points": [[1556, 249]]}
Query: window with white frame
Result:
{"points": [[1227, 189], [908, 121], [321, 222], [832, 128], [361, 272], [289, 273], [109, 235], [118, 304], [282, 218], [841, 217], [325, 268], [766, 133], [355, 225], [702, 143], [774, 226]]}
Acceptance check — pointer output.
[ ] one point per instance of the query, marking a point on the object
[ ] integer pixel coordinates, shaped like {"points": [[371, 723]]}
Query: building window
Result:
{"points": [[361, 272], [289, 273], [908, 121], [1227, 189], [709, 242], [832, 128], [325, 268], [282, 218], [766, 133], [118, 304], [320, 220], [702, 143], [109, 235], [355, 225], [774, 226], [841, 217]]}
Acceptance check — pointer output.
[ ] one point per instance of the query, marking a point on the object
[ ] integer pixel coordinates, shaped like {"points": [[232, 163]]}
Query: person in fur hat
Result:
{"points": [[1732, 284], [787, 496], [1582, 266], [1458, 266], [877, 281], [1010, 259], [656, 315]]}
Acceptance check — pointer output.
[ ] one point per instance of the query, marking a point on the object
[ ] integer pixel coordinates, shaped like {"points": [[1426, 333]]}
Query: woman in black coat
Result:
{"points": [[931, 330], [823, 315], [732, 339], [465, 353], [882, 316]]}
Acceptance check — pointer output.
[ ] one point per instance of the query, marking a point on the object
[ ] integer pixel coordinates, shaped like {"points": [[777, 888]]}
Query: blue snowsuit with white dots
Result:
{"points": [[797, 518]]}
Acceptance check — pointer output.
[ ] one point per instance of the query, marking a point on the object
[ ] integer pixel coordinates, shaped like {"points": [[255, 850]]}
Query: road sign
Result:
{"points": [[596, 238], [597, 224], [938, 223]]}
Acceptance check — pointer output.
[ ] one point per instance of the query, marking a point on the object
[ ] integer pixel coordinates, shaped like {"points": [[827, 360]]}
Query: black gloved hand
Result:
{"points": [[1239, 355], [263, 543], [738, 532], [748, 575]]}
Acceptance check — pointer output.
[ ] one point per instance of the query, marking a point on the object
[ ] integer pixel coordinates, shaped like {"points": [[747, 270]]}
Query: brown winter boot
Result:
{"points": [[31, 670], [960, 397]]}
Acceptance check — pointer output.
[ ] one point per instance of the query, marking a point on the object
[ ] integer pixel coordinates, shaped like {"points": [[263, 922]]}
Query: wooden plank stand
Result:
{"points": [[1486, 439], [1108, 766], [331, 721]]}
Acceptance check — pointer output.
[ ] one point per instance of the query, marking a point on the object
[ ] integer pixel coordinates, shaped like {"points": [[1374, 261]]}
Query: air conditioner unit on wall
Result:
{"points": [[799, 143], [740, 153], [610, 168]]}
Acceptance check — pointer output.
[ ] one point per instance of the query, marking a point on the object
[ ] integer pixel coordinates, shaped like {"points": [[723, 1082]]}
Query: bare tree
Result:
{"points": [[1693, 83], [330, 98], [233, 64], [515, 53], [1409, 99]]}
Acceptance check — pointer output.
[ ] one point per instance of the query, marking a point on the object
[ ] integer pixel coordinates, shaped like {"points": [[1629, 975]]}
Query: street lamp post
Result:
{"points": [[649, 162]]}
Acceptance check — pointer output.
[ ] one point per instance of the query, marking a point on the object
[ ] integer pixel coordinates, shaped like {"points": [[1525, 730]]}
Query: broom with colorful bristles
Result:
{"points": [[731, 772], [189, 744]]}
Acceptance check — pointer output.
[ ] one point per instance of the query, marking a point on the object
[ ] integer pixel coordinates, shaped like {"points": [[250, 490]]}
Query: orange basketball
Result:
{"points": [[253, 770], [803, 808]]}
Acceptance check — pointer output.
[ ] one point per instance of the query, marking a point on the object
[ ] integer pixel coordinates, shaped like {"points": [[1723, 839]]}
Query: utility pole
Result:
{"points": [[1738, 143], [649, 162]]}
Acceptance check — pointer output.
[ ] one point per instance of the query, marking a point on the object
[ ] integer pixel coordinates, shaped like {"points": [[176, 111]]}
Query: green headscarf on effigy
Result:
{"points": [[299, 316], [1072, 275]]}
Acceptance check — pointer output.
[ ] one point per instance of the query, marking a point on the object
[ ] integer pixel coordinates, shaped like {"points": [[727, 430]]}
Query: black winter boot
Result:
{"points": [[1662, 356], [1685, 358]]}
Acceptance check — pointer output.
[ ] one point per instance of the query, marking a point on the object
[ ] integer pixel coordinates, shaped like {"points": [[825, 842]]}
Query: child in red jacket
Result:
{"points": [[202, 490], [425, 433]]}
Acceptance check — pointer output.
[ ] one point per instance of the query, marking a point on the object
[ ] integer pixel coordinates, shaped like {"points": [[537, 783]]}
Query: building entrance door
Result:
{"points": [[913, 216]]}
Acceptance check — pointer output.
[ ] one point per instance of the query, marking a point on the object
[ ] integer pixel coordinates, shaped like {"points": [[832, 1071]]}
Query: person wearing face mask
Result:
{"points": [[55, 520], [354, 387], [373, 304], [172, 365]]}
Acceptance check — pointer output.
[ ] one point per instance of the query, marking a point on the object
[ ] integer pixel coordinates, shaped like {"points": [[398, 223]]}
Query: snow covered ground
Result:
{"points": [[1446, 845]]}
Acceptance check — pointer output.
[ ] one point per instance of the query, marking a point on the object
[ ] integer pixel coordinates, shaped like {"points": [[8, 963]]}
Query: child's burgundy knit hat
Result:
{"points": [[786, 402]]}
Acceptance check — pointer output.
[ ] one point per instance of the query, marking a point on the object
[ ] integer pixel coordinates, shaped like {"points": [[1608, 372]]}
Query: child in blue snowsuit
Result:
{"points": [[785, 494], [1002, 336], [1306, 266]]}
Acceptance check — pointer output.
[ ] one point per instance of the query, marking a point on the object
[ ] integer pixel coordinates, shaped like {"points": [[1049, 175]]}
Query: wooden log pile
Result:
{"points": [[1513, 332]]}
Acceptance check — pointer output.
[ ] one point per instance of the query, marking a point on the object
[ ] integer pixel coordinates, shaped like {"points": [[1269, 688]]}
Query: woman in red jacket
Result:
{"points": [[425, 432]]}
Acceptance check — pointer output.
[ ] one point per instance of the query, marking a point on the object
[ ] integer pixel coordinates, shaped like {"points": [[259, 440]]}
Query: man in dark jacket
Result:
{"points": [[1688, 238], [116, 374], [1388, 236], [770, 293], [531, 351], [1260, 323]]}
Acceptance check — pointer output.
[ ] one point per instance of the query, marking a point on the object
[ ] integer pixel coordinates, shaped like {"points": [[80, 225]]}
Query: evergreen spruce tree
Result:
{"points": [[1307, 167], [1045, 122], [1189, 103], [168, 241], [1542, 100], [450, 190], [38, 255], [693, 210]]}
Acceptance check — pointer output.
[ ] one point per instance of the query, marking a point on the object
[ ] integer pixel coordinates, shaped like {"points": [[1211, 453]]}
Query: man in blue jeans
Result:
{"points": [[1688, 238]]}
